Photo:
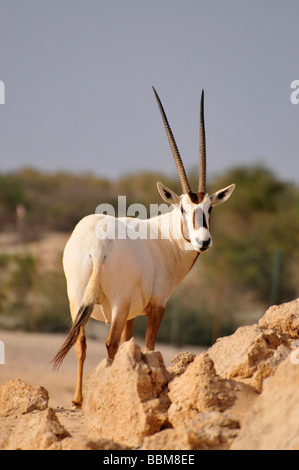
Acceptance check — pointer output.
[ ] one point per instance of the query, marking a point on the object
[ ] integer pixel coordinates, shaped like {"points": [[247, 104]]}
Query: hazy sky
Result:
{"points": [[78, 78]]}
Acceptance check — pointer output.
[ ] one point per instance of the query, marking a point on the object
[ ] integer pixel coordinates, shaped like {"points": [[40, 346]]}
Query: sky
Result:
{"points": [[78, 77]]}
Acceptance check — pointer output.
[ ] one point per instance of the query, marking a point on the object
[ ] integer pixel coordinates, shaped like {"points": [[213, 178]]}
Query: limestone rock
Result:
{"points": [[212, 430], [283, 318], [18, 398], [128, 399], [272, 422], [180, 363], [39, 430], [83, 443], [198, 390], [240, 394], [250, 355]]}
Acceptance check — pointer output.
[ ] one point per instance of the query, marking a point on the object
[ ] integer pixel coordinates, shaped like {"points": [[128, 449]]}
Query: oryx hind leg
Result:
{"points": [[119, 320], [81, 347]]}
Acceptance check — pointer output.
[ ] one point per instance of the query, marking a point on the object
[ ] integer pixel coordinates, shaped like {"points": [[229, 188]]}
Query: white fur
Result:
{"points": [[134, 272]]}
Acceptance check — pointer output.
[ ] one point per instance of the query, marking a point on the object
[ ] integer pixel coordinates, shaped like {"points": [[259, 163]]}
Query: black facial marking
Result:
{"points": [[204, 222]]}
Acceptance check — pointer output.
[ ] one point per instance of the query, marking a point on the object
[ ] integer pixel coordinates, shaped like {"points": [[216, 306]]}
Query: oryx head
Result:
{"points": [[195, 208]]}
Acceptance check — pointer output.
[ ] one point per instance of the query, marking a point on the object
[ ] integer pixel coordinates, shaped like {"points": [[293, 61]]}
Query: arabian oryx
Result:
{"points": [[115, 279]]}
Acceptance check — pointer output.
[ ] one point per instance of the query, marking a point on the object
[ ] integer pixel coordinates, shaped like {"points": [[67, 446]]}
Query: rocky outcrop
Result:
{"points": [[272, 423], [18, 398], [242, 393], [208, 431], [131, 400], [198, 390], [250, 355], [284, 319], [180, 363], [39, 430]]}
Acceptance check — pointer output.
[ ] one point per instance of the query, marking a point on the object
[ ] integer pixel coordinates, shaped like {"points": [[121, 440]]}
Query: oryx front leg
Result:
{"points": [[154, 320], [119, 319], [81, 355]]}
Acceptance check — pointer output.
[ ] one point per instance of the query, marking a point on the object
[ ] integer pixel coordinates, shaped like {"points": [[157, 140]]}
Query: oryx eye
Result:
{"points": [[182, 210]]}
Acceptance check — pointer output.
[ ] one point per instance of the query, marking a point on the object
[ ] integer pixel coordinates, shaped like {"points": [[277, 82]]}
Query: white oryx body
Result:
{"points": [[113, 278], [133, 272], [138, 271]]}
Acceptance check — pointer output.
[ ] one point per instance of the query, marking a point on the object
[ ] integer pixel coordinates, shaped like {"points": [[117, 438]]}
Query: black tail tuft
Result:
{"points": [[80, 320]]}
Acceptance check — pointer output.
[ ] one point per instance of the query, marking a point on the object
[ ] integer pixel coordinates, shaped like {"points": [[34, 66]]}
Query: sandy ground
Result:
{"points": [[28, 357]]}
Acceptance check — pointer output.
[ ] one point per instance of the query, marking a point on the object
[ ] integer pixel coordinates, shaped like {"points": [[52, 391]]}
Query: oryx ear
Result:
{"points": [[168, 195], [222, 195]]}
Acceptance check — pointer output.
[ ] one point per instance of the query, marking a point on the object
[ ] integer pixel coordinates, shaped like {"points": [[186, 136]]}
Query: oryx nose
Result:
{"points": [[206, 243]]}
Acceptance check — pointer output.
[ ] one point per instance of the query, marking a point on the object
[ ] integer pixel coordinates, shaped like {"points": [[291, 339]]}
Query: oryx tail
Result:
{"points": [[89, 299]]}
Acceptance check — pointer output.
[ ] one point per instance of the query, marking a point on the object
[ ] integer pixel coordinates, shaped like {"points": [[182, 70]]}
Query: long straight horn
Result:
{"points": [[176, 155], [202, 149]]}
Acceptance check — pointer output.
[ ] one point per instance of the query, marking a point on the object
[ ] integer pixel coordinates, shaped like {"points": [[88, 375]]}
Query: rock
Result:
{"points": [[272, 422], [180, 363], [213, 430], [246, 396], [71, 443], [39, 430], [283, 318], [249, 355], [127, 400], [18, 398], [241, 394], [198, 390]]}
